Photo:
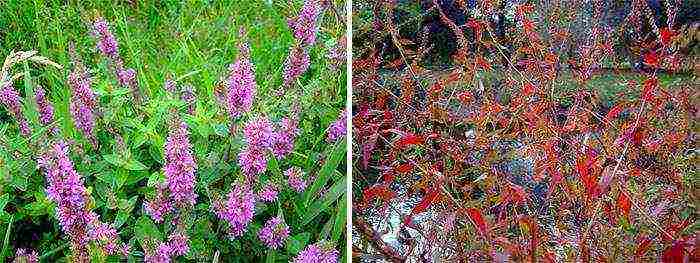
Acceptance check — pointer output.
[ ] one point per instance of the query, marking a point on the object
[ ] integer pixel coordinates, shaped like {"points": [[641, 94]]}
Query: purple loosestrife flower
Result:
{"points": [[24, 256], [106, 42], [274, 233], [180, 167], [189, 96], [295, 178], [304, 26], [253, 161], [45, 108], [240, 86], [160, 255], [336, 54], [83, 103], [66, 189], [268, 193], [11, 99], [178, 243], [108, 46], [237, 210], [338, 128], [127, 77], [170, 85], [295, 65], [258, 132], [160, 206], [321, 252], [283, 138]]}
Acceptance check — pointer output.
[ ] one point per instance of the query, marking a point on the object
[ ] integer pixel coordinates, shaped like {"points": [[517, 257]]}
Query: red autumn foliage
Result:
{"points": [[541, 142]]}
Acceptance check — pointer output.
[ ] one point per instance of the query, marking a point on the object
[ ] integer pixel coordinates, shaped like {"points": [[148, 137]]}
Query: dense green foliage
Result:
{"points": [[192, 42]]}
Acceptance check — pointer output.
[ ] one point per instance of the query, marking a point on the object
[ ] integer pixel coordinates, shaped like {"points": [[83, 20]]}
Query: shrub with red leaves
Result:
{"points": [[539, 143]]}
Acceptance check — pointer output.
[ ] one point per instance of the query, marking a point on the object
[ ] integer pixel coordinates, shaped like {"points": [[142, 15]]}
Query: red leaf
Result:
{"points": [[429, 198], [642, 247], [478, 220], [380, 192], [409, 139], [404, 168], [674, 253], [651, 59], [649, 87], [666, 35], [614, 112], [528, 89], [624, 204]]}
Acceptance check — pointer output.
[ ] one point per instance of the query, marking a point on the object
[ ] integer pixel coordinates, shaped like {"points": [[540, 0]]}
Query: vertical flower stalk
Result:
{"points": [[268, 193], [338, 128], [320, 252], [24, 256], [336, 54], [295, 65], [83, 103], [238, 209], [304, 25], [109, 47], [10, 98], [283, 138], [295, 178], [66, 189], [160, 206], [274, 233], [258, 136], [46, 116], [240, 85], [180, 166]]}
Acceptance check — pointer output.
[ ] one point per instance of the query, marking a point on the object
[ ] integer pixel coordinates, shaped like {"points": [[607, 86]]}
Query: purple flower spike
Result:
{"points": [[338, 128], [268, 193], [304, 26], [82, 104], [160, 206], [45, 108], [240, 86], [253, 161], [178, 243], [66, 189], [108, 46], [237, 210], [180, 167], [296, 64], [274, 233], [321, 252], [24, 256], [11, 99], [258, 132], [295, 178], [106, 42], [283, 138]]}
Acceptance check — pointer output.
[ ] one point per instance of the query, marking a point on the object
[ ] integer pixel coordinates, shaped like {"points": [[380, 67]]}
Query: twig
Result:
{"points": [[376, 241]]}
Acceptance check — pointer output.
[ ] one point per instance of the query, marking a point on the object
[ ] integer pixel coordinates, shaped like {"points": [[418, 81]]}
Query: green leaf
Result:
{"points": [[121, 218], [134, 165], [113, 159], [270, 258], [322, 204], [4, 199], [297, 243], [145, 229], [340, 219], [20, 182], [336, 155]]}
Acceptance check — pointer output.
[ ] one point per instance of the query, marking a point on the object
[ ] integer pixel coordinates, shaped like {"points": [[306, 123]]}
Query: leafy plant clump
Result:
{"points": [[107, 163], [544, 138]]}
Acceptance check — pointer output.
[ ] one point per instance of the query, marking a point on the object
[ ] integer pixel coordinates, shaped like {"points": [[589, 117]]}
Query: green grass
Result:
{"points": [[196, 40]]}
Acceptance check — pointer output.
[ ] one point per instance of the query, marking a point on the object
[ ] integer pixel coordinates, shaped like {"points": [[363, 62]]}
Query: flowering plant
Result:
{"points": [[159, 144]]}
